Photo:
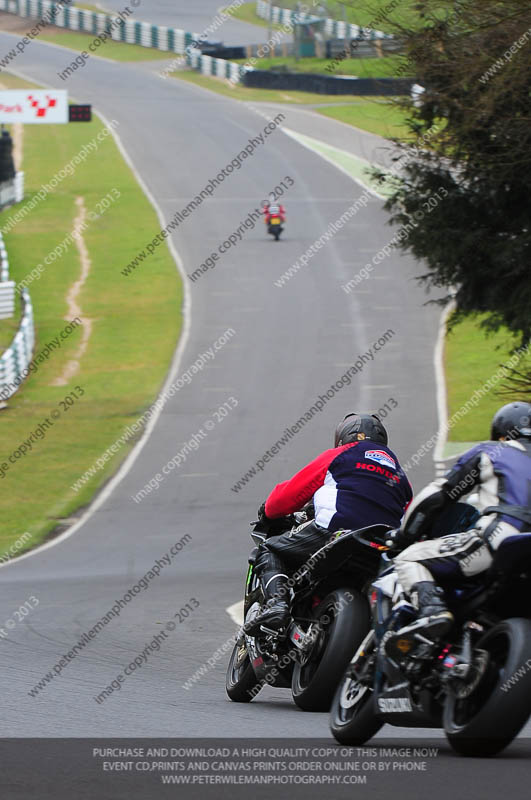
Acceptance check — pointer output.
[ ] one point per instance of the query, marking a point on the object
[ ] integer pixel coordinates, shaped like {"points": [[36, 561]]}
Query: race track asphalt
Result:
{"points": [[290, 344]]}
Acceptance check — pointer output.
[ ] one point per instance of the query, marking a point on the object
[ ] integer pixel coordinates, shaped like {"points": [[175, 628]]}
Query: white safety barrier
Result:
{"points": [[333, 27], [19, 187], [116, 26], [4, 261], [12, 191], [7, 299], [128, 31], [15, 360]]}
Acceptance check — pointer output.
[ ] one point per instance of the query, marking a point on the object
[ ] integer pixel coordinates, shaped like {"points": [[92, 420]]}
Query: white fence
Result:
{"points": [[12, 191], [333, 27], [159, 37], [15, 360], [4, 261], [218, 67], [121, 29], [7, 299]]}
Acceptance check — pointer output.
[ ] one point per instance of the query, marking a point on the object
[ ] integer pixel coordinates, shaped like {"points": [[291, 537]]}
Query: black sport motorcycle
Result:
{"points": [[330, 617], [476, 686]]}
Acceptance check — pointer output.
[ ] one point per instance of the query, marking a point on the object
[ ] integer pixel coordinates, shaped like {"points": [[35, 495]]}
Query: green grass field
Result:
{"points": [[471, 359], [377, 115], [136, 325]]}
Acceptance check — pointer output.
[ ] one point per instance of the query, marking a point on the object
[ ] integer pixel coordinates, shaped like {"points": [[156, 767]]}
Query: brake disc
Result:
{"points": [[352, 691], [464, 686], [250, 642]]}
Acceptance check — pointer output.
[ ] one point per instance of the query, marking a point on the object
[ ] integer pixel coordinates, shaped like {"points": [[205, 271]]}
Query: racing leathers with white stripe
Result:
{"points": [[500, 472]]}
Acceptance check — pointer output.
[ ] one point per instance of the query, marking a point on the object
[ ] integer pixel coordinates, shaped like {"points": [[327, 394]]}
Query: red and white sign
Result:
{"points": [[34, 106]]}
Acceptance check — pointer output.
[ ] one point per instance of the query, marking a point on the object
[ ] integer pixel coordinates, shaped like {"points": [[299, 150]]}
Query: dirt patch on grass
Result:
{"points": [[74, 309]]}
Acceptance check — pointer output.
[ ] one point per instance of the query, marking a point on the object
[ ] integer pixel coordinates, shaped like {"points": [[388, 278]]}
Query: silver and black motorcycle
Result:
{"points": [[476, 685], [330, 617]]}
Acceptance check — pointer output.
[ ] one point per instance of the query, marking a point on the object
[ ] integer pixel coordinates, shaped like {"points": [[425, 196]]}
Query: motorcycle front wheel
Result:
{"points": [[352, 715], [241, 679], [342, 623], [487, 718]]}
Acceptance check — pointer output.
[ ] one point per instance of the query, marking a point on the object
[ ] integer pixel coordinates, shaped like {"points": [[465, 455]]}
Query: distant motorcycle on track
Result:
{"points": [[274, 219]]}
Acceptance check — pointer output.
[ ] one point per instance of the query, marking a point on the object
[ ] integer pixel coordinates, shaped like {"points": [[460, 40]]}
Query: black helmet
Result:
{"points": [[357, 427], [512, 421]]}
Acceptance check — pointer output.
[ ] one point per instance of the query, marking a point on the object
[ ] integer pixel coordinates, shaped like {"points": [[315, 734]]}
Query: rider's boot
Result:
{"points": [[433, 622], [274, 582]]}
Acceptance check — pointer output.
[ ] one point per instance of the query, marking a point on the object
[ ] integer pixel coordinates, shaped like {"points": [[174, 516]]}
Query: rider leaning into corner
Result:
{"points": [[358, 482], [500, 471]]}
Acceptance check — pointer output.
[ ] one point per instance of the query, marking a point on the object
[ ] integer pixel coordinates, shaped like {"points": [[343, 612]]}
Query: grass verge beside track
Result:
{"points": [[471, 359], [376, 115], [136, 325]]}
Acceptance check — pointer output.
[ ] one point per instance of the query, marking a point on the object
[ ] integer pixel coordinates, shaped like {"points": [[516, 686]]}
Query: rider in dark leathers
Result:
{"points": [[500, 472], [357, 483]]}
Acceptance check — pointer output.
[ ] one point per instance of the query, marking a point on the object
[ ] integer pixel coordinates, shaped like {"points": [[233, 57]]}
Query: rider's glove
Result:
{"points": [[262, 516], [276, 526], [398, 540]]}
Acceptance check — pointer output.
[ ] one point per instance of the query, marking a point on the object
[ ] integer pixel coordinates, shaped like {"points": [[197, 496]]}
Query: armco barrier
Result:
{"points": [[129, 31], [325, 84], [14, 362], [172, 40], [7, 299], [217, 67], [4, 262], [333, 27], [159, 37]]}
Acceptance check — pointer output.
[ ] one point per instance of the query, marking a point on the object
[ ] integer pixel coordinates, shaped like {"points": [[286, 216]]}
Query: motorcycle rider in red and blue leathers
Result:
{"points": [[272, 208], [358, 482]]}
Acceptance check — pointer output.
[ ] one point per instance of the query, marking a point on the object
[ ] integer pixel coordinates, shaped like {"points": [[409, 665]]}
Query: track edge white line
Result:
{"points": [[235, 612], [440, 382]]}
